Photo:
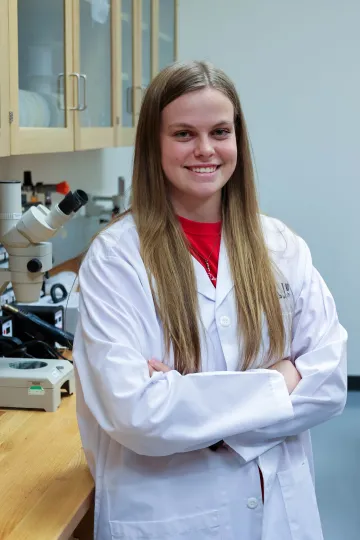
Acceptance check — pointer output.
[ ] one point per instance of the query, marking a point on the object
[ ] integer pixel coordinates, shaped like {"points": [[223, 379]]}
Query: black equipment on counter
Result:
{"points": [[49, 331], [25, 329], [6, 325], [53, 293]]}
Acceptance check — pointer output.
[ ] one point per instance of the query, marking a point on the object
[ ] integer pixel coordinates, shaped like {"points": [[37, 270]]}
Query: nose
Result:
{"points": [[204, 147]]}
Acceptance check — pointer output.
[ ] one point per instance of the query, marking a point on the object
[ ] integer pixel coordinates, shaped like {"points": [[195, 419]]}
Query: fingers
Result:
{"points": [[156, 365]]}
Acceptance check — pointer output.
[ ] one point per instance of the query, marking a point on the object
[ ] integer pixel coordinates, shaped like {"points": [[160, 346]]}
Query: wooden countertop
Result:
{"points": [[46, 487]]}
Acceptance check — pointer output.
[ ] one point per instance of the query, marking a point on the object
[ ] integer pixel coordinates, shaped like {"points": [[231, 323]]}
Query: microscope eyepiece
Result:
{"points": [[81, 199], [73, 201]]}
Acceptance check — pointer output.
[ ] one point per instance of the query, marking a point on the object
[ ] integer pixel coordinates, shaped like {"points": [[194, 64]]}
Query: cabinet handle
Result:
{"points": [[142, 90], [77, 75], [84, 104]]}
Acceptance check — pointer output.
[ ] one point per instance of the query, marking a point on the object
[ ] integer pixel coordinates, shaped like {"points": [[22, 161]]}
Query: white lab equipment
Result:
{"points": [[35, 384], [38, 383], [25, 236], [117, 201]]}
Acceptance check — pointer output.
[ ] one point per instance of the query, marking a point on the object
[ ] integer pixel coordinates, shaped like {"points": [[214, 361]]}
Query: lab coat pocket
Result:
{"points": [[300, 502], [203, 526]]}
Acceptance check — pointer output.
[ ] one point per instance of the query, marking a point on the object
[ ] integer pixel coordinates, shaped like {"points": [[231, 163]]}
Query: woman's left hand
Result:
{"points": [[157, 366]]}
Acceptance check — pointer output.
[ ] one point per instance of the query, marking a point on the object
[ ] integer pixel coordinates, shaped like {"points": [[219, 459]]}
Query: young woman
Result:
{"points": [[207, 345]]}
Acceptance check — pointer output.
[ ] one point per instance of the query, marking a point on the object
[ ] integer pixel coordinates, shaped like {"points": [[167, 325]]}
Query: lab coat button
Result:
{"points": [[224, 321], [252, 503]]}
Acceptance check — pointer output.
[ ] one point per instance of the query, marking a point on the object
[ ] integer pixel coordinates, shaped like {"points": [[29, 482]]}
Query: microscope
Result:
{"points": [[32, 382]]}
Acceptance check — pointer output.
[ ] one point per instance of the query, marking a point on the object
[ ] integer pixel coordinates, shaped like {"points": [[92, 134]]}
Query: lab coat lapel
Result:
{"points": [[210, 298], [206, 295], [224, 282], [203, 283]]}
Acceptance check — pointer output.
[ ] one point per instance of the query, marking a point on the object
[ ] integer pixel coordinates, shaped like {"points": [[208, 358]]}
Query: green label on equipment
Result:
{"points": [[36, 390]]}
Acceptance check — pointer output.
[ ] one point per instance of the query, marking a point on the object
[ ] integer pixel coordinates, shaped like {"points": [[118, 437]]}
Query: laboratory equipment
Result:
{"points": [[25, 236], [50, 331], [70, 306], [117, 204], [32, 383], [40, 188]]}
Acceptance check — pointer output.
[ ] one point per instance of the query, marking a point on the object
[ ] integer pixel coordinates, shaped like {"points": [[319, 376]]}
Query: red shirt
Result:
{"points": [[204, 240]]}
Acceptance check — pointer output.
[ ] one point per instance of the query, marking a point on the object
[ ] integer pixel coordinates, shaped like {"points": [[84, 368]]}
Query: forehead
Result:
{"points": [[199, 108]]}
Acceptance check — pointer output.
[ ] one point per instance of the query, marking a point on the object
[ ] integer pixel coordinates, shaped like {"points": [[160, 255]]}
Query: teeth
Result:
{"points": [[203, 169]]}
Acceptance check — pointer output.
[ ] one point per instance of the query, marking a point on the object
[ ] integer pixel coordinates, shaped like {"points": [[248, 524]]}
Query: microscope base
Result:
{"points": [[27, 383]]}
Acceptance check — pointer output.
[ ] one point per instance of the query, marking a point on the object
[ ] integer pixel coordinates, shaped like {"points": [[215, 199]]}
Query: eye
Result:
{"points": [[221, 132], [182, 134]]}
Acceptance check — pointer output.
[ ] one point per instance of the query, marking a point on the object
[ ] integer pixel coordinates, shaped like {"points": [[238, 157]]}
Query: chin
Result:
{"points": [[206, 192]]}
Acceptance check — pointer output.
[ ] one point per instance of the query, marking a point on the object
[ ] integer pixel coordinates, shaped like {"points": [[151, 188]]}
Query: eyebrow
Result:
{"points": [[189, 126]]}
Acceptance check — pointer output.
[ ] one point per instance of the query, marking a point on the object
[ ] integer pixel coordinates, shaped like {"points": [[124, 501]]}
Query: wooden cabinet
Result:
{"points": [[147, 41], [78, 70], [4, 81], [128, 46], [94, 60], [42, 82]]}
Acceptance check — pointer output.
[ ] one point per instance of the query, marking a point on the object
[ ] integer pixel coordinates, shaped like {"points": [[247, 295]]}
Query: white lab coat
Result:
{"points": [[146, 439]]}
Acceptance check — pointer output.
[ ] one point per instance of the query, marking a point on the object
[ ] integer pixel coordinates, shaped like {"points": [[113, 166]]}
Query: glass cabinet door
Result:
{"points": [[146, 43], [40, 49], [4, 82], [41, 64], [167, 32], [127, 63], [94, 82]]}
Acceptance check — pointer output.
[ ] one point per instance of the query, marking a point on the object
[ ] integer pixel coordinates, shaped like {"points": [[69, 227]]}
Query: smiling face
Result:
{"points": [[198, 151]]}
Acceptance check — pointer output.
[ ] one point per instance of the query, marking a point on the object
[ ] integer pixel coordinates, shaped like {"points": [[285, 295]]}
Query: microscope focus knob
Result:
{"points": [[34, 265]]}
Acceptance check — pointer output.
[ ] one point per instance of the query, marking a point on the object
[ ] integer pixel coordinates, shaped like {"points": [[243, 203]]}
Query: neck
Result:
{"points": [[203, 211]]}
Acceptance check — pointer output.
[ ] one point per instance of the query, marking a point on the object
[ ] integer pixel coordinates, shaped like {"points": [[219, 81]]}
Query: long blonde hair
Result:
{"points": [[164, 248]]}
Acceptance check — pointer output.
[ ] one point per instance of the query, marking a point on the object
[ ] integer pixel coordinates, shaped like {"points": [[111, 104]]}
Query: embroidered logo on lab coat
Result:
{"points": [[284, 291]]}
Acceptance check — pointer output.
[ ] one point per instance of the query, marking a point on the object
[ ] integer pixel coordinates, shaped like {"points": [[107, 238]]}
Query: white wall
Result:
{"points": [[295, 65], [95, 171]]}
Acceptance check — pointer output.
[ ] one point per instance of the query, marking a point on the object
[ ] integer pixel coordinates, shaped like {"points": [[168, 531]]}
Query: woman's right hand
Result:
{"points": [[289, 372]]}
